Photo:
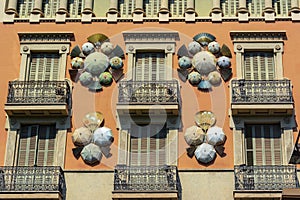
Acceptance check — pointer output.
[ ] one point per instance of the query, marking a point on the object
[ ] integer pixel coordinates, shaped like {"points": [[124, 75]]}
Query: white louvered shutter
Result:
{"points": [[152, 7], [24, 8], [177, 7], [126, 8], [229, 7], [50, 7], [282, 7], [76, 7], [255, 7]]}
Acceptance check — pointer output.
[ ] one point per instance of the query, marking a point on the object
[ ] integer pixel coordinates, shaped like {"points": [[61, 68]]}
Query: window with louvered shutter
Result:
{"points": [[282, 7], [44, 67], [36, 145], [259, 66], [50, 7], [24, 8], [151, 7], [263, 144], [229, 7], [177, 7], [75, 7], [126, 7], [255, 7], [147, 145], [150, 67]]}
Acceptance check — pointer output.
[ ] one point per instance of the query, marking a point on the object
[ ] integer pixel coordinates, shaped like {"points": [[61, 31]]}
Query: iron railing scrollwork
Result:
{"points": [[148, 92], [32, 179], [266, 177], [38, 92], [145, 178], [261, 91]]}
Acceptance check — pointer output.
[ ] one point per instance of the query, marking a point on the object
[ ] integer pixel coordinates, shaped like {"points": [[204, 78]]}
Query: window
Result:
{"points": [[229, 7], [36, 145], [126, 7], [24, 8], [150, 66], [177, 7], [147, 145], [263, 144], [152, 7], [255, 7], [259, 66], [50, 7], [282, 7], [76, 7]]}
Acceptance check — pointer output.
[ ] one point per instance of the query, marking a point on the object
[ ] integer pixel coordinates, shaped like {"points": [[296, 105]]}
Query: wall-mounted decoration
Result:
{"points": [[204, 63], [205, 139], [92, 140], [96, 63]]}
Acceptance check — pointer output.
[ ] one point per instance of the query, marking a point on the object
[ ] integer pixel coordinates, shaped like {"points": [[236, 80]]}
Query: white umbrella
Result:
{"points": [[107, 48], [224, 62], [205, 153], [213, 47], [204, 62], [91, 154], [82, 136], [215, 136], [103, 137], [77, 63], [96, 63], [194, 47], [86, 78], [194, 135], [88, 48], [184, 62], [214, 78], [93, 120], [194, 78]]}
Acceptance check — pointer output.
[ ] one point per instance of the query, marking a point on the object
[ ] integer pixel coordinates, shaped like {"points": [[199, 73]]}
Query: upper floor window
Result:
{"points": [[126, 7], [24, 8], [229, 7], [282, 7], [76, 7], [177, 7], [255, 7]]}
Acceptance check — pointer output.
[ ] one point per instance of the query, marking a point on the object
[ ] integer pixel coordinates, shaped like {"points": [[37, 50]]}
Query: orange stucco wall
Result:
{"points": [[192, 100]]}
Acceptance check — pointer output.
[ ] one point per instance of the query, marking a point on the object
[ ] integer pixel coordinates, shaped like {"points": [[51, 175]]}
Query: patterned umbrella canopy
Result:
{"points": [[88, 48], [96, 63], [215, 136], [184, 62], [103, 137], [91, 153], [105, 78], [194, 78], [194, 47], [93, 120], [213, 47], [224, 62], [214, 78], [77, 63], [194, 135], [107, 48], [204, 62], [116, 62], [205, 153], [86, 78], [82, 136]]}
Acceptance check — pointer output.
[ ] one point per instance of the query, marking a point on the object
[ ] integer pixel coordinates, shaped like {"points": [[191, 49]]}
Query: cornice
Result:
{"points": [[45, 37], [150, 36], [257, 36]]}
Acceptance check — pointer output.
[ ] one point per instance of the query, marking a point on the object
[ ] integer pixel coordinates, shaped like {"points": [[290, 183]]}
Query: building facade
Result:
{"points": [[149, 99]]}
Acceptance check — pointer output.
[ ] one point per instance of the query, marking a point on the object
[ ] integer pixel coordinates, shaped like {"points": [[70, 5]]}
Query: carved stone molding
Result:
{"points": [[256, 36], [64, 37], [151, 36]]}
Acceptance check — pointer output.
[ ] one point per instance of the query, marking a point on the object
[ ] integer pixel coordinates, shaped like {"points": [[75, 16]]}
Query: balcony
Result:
{"points": [[38, 98], [264, 181], [32, 183], [261, 97], [145, 182], [142, 97]]}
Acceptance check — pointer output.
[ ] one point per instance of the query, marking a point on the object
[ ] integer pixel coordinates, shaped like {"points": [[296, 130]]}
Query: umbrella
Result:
{"points": [[205, 119], [214, 78], [91, 154], [204, 85], [194, 136], [93, 120], [75, 52], [194, 47], [96, 63], [85, 78], [88, 48], [97, 38], [215, 136], [105, 78], [213, 47], [224, 62], [184, 62], [182, 51], [204, 62], [205, 153], [194, 78], [103, 137], [226, 73], [77, 63], [82, 136], [116, 62], [204, 38], [95, 86], [225, 51], [107, 48]]}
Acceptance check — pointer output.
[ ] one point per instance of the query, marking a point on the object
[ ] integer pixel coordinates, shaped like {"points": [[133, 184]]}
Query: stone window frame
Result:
{"points": [[149, 41], [260, 40]]}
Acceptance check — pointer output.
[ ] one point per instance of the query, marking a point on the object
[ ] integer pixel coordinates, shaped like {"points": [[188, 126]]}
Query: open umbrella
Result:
{"points": [[205, 153], [214, 78], [184, 62], [204, 85], [213, 47], [107, 48], [91, 154], [224, 62], [194, 78], [96, 63], [88, 48], [204, 62], [194, 47], [85, 78], [215, 136], [205, 119], [103, 137], [116, 62], [204, 38], [194, 136], [77, 63], [105, 78], [82, 136], [93, 120]]}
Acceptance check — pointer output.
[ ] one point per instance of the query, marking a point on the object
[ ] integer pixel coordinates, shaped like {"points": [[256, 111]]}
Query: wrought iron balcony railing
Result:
{"points": [[261, 91], [265, 177], [38, 92], [146, 178], [148, 92], [32, 179]]}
